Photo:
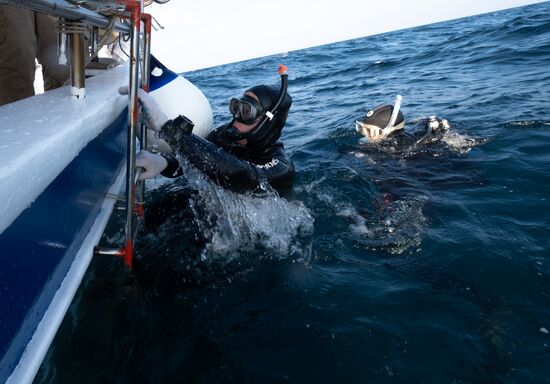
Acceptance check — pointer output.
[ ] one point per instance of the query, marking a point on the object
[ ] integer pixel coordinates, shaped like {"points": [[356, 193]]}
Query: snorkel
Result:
{"points": [[258, 132], [283, 71], [390, 127]]}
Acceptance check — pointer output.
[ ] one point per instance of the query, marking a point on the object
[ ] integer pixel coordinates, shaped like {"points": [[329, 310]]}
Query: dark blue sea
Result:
{"points": [[419, 265]]}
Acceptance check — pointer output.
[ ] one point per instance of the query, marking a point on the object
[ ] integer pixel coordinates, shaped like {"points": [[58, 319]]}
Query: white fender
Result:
{"points": [[178, 96]]}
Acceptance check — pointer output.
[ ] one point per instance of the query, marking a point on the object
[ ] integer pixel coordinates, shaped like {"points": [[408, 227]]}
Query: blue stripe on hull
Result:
{"points": [[37, 250]]}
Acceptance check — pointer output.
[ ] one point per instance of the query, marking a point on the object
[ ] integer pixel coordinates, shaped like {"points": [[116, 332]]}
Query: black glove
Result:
{"points": [[174, 131]]}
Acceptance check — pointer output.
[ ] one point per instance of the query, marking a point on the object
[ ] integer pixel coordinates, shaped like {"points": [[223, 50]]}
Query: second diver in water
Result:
{"points": [[386, 124], [242, 155]]}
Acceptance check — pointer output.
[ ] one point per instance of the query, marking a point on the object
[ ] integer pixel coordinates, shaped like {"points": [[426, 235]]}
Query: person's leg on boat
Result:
{"points": [[18, 47], [55, 75]]}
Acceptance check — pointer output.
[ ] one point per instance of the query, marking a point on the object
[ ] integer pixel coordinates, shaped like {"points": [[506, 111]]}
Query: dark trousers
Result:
{"points": [[24, 37]]}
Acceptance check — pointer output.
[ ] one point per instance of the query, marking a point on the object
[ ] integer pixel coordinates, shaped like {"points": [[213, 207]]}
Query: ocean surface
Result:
{"points": [[389, 265]]}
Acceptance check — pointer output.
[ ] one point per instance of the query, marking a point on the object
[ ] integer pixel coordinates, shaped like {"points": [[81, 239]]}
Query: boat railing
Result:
{"points": [[73, 11]]}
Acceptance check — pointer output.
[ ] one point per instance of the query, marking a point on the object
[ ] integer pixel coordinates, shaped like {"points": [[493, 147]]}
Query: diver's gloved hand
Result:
{"points": [[153, 163], [174, 131], [152, 111]]}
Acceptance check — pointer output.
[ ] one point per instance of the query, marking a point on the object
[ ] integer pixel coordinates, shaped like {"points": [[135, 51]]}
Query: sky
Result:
{"points": [[204, 33]]}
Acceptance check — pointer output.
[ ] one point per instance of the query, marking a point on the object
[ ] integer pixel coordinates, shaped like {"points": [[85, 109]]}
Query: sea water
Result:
{"points": [[427, 264]]}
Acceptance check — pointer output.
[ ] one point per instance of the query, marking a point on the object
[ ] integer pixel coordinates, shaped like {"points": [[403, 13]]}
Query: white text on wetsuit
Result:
{"points": [[272, 163]]}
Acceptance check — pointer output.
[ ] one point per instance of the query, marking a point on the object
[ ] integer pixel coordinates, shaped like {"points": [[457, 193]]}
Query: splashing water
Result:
{"points": [[461, 143], [232, 223], [246, 222]]}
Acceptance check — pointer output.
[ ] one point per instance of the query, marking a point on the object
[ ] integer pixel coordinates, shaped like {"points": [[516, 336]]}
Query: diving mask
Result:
{"points": [[374, 133], [245, 110]]}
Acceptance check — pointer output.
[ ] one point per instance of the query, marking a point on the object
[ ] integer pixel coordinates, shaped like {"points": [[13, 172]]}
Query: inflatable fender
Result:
{"points": [[178, 96]]}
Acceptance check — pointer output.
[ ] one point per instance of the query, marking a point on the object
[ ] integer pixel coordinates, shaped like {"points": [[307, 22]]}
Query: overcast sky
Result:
{"points": [[204, 33]]}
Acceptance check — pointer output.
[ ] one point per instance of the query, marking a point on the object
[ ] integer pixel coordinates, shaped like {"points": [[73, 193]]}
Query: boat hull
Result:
{"points": [[39, 249]]}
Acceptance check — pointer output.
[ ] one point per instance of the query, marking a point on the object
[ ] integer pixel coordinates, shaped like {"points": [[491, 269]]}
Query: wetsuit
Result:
{"points": [[231, 165]]}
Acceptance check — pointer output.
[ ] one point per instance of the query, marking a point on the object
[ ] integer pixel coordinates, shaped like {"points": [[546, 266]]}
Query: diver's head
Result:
{"points": [[254, 119], [381, 121]]}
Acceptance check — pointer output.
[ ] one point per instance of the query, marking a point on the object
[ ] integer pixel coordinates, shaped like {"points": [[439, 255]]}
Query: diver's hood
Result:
{"points": [[381, 115], [268, 131], [381, 121]]}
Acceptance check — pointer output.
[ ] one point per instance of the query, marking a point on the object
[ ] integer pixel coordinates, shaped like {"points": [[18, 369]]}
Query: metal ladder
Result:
{"points": [[88, 12]]}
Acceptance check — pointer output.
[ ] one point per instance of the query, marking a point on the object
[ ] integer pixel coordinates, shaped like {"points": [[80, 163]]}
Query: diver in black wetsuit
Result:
{"points": [[385, 125], [242, 155]]}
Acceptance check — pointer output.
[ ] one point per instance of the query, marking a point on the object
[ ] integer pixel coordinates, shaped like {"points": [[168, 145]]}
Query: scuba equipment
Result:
{"points": [[435, 122], [432, 123]]}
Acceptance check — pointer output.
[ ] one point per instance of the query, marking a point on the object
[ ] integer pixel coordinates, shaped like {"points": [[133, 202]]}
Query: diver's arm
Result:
{"points": [[273, 165], [222, 167], [173, 169]]}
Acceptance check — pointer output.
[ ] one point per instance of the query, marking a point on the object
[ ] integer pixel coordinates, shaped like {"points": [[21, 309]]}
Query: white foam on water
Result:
{"points": [[395, 227], [459, 142], [529, 123]]}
